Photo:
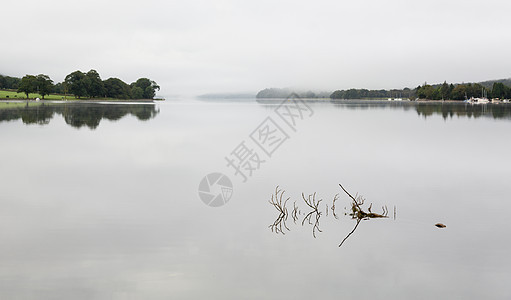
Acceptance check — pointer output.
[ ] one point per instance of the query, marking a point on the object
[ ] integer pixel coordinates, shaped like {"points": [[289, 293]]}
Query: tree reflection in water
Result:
{"points": [[450, 109], [314, 211], [76, 114]]}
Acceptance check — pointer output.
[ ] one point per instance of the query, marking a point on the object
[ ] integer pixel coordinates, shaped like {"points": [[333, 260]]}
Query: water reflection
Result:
{"points": [[371, 104], [427, 109], [75, 114], [358, 214], [314, 211], [448, 110], [423, 109]]}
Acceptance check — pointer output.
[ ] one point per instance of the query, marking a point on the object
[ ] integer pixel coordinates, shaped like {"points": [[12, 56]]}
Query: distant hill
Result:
{"points": [[227, 96], [489, 83], [285, 92]]}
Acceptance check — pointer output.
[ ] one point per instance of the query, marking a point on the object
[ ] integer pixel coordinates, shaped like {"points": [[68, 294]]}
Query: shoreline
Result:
{"points": [[8, 100]]}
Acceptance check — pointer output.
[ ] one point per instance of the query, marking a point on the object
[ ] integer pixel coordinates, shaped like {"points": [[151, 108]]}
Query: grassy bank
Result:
{"points": [[13, 95]]}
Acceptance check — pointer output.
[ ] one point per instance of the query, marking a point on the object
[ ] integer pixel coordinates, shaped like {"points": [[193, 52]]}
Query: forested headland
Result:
{"points": [[463, 91], [81, 85], [446, 91]]}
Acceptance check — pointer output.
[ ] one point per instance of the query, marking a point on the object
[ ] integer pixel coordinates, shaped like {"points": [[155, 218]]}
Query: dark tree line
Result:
{"points": [[90, 85], [372, 94], [9, 83], [447, 91], [80, 84], [443, 91]]}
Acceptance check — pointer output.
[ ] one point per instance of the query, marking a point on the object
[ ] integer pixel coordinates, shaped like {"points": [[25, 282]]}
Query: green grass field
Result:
{"points": [[12, 95]]}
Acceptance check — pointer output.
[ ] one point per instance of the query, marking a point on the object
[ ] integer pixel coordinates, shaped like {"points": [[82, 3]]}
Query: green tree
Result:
{"points": [[27, 84], [499, 90], [148, 87], [476, 90], [338, 94], [8, 82], [95, 86], [137, 92], [44, 85], [3, 82], [77, 83], [116, 88], [425, 92], [57, 88], [445, 91], [436, 95], [459, 92]]}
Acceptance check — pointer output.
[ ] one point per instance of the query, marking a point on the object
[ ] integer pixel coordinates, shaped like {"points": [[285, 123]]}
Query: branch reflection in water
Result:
{"points": [[313, 212], [276, 201]]}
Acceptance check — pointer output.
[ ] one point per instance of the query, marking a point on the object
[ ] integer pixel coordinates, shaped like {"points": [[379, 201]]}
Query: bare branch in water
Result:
{"points": [[359, 214], [353, 198], [314, 206], [294, 213], [336, 197], [315, 211], [280, 206], [355, 228]]}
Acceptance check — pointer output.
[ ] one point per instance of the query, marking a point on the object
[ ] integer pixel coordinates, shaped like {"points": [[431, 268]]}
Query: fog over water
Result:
{"points": [[197, 46]]}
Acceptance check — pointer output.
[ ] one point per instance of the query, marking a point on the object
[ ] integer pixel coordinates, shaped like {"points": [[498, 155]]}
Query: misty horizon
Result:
{"points": [[197, 47]]}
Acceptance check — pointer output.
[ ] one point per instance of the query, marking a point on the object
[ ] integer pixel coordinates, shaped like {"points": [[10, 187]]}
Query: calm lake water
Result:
{"points": [[101, 201]]}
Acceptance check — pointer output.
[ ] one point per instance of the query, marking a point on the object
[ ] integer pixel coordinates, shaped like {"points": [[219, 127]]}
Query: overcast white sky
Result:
{"points": [[194, 46]]}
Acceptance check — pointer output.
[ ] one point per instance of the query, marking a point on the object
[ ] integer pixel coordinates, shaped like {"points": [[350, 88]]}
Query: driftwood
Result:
{"points": [[359, 214], [314, 212]]}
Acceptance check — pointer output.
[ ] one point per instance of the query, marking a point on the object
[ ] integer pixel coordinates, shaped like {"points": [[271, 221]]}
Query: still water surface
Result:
{"points": [[100, 201]]}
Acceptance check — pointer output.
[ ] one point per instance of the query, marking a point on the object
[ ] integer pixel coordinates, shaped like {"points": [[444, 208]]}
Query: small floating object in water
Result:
{"points": [[440, 225]]}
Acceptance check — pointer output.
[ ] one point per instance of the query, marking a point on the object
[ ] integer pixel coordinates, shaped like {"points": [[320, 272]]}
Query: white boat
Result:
{"points": [[478, 100], [482, 100]]}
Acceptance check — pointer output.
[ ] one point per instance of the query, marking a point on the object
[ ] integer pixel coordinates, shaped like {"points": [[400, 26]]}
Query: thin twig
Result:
{"points": [[336, 197], [294, 213], [355, 228]]}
